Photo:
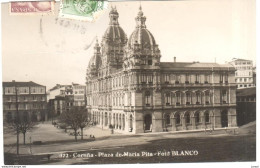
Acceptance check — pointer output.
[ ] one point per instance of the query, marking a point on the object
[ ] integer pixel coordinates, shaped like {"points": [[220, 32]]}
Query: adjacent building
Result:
{"points": [[27, 98], [62, 97], [130, 89], [246, 105], [244, 75]]}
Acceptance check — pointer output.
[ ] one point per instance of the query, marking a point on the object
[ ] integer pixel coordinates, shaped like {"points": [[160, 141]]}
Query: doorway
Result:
{"points": [[224, 118], [148, 122]]}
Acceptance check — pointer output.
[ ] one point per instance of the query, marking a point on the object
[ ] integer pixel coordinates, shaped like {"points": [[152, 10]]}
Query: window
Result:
{"points": [[198, 97], [207, 117], [187, 79], [187, 118], [221, 78], [150, 78], [167, 78], [188, 98], [197, 78], [143, 78], [178, 98], [197, 117], [206, 79], [177, 81], [224, 96], [167, 99], [147, 98], [226, 78], [150, 62], [167, 119], [178, 119], [207, 97]]}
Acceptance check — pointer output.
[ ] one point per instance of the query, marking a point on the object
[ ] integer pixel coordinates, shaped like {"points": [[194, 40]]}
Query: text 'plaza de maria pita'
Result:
{"points": [[131, 90]]}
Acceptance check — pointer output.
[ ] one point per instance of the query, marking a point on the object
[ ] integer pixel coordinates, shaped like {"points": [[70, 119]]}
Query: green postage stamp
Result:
{"points": [[84, 10]]}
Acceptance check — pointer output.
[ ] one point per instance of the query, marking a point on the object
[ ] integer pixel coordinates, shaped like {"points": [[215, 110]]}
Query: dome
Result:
{"points": [[141, 34], [115, 33], [94, 62]]}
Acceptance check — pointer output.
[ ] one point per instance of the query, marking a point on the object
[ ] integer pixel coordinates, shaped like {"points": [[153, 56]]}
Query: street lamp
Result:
{"points": [[17, 120]]}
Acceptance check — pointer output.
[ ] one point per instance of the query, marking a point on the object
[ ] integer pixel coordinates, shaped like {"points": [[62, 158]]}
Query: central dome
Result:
{"points": [[114, 32], [141, 35]]}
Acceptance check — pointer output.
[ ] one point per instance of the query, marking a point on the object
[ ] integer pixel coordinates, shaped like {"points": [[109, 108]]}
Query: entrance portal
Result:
{"points": [[224, 118], [147, 122]]}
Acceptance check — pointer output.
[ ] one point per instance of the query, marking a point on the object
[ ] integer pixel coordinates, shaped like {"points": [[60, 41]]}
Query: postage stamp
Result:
{"points": [[31, 8], [86, 10]]}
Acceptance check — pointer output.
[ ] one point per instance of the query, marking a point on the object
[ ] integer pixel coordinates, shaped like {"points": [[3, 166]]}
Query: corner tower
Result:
{"points": [[142, 50], [113, 43]]}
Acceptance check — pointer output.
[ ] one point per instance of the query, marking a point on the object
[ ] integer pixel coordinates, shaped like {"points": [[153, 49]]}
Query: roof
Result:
{"points": [[58, 86], [246, 92], [20, 84], [239, 59], [195, 65]]}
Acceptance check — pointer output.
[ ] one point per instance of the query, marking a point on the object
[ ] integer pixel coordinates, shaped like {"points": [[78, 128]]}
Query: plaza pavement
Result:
{"points": [[56, 141]]}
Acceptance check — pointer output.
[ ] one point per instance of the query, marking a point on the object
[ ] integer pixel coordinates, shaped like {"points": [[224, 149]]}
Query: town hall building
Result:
{"points": [[131, 90]]}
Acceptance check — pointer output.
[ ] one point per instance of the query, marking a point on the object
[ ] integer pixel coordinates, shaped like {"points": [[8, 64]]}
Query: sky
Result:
{"points": [[50, 50]]}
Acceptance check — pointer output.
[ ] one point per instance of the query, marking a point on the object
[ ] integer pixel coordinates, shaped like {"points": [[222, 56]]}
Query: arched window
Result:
{"points": [[197, 117], [187, 118], [167, 119], [207, 117], [178, 119]]}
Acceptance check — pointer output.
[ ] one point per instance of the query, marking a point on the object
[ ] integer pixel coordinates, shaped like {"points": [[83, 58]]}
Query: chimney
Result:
{"points": [[174, 59]]}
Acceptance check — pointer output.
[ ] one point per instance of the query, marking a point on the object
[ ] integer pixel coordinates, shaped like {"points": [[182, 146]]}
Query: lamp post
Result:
{"points": [[17, 120]]}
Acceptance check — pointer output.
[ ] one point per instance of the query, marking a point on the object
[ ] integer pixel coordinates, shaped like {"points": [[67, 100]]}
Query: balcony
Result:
{"points": [[188, 103], [197, 103], [197, 82], [178, 103], [187, 82], [177, 82]]}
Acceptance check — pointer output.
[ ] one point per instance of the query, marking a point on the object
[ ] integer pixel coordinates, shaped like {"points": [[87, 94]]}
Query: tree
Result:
{"points": [[21, 125], [76, 118], [25, 125]]}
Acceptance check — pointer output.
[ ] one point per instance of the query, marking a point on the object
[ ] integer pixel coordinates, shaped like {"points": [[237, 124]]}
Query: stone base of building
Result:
{"points": [[164, 121]]}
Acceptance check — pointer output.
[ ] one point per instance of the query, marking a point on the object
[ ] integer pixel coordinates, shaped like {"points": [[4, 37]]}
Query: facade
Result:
{"points": [[244, 75], [30, 98], [246, 105], [63, 97], [129, 88]]}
